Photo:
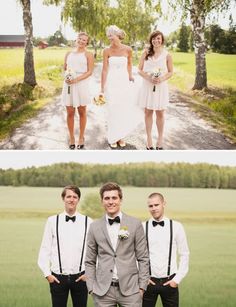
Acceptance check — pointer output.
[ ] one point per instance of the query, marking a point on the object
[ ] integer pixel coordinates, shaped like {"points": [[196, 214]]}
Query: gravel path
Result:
{"points": [[184, 129]]}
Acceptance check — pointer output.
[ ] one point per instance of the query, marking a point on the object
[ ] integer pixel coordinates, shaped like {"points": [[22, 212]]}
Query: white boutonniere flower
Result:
{"points": [[123, 233]]}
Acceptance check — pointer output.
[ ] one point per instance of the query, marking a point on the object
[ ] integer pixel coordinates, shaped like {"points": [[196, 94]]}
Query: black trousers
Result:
{"points": [[60, 292], [169, 296]]}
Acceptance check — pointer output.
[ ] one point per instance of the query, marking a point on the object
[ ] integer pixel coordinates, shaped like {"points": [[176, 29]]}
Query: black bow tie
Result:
{"points": [[72, 218], [154, 223], [115, 220]]}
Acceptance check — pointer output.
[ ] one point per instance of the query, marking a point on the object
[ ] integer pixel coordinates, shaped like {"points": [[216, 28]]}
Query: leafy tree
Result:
{"points": [[183, 43], [57, 39], [29, 71], [135, 19], [86, 15], [92, 206]]}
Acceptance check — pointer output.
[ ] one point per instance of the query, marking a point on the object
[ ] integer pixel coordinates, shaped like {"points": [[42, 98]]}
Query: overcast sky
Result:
{"points": [[20, 159], [46, 20]]}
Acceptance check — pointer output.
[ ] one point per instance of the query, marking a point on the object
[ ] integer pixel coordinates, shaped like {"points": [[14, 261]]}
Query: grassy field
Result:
{"points": [[210, 228], [221, 69]]}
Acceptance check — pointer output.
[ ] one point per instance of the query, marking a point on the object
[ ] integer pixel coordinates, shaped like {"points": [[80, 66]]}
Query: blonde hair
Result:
{"points": [[84, 34], [114, 30]]}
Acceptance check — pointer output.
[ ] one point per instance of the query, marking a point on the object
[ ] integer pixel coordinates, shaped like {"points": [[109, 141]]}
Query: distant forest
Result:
{"points": [[200, 175]]}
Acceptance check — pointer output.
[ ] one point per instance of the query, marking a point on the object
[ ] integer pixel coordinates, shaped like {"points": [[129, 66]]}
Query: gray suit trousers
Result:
{"points": [[114, 297]]}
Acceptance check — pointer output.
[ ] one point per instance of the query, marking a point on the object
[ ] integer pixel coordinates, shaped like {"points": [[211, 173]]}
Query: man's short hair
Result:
{"points": [[156, 194], [71, 187], [111, 186]]}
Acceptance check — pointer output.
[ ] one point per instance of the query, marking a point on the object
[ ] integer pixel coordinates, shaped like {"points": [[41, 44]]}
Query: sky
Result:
{"points": [[46, 20], [20, 159]]}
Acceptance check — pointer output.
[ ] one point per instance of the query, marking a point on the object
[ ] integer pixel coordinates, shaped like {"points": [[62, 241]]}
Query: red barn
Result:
{"points": [[12, 40]]}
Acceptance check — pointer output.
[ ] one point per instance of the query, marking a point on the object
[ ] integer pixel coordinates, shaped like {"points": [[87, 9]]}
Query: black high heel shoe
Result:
{"points": [[150, 148], [80, 146], [72, 146], [159, 148]]}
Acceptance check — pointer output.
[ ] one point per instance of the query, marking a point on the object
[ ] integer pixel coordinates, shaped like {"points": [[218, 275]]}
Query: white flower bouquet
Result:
{"points": [[156, 73], [69, 76], [123, 233]]}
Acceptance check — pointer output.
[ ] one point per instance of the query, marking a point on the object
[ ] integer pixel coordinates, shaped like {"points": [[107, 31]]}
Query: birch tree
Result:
{"points": [[29, 71]]}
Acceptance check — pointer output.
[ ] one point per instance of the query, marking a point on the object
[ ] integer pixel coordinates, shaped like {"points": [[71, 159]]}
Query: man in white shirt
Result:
{"points": [[61, 255], [116, 262], [166, 240]]}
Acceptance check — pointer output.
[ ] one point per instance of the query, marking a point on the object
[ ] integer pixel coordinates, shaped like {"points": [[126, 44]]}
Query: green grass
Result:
{"points": [[221, 70], [210, 281]]}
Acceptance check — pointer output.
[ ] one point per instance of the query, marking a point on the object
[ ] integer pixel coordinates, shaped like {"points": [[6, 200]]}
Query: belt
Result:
{"points": [[163, 279], [115, 283], [69, 275]]}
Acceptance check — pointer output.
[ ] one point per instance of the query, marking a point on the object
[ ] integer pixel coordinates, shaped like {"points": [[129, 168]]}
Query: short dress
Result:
{"points": [[158, 99], [79, 92]]}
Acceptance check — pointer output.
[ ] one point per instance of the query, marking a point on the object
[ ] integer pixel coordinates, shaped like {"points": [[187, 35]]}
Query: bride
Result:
{"points": [[117, 84]]}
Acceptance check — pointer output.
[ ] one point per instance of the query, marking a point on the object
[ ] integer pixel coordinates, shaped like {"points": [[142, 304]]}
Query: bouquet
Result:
{"points": [[69, 76], [100, 100], [156, 73], [123, 233]]}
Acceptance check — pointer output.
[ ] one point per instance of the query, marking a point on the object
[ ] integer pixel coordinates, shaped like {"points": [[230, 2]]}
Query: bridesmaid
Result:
{"points": [[156, 68], [78, 66]]}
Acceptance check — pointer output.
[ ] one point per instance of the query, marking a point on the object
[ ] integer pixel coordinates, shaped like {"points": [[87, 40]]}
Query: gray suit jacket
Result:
{"points": [[131, 258]]}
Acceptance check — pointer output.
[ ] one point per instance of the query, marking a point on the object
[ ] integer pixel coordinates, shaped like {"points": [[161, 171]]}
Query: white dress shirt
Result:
{"points": [[71, 236], [113, 231], [159, 242]]}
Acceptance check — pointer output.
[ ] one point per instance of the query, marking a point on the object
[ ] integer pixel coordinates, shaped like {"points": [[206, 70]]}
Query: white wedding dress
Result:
{"points": [[121, 94]]}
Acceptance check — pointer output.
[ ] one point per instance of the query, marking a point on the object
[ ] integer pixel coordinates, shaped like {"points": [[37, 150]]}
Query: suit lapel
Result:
{"points": [[105, 232]]}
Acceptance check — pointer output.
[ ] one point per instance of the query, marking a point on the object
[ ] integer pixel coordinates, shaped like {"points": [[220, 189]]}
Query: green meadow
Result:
{"points": [[221, 68], [208, 216]]}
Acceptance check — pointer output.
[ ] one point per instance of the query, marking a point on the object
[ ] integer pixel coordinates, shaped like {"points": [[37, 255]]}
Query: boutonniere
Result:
{"points": [[123, 233]]}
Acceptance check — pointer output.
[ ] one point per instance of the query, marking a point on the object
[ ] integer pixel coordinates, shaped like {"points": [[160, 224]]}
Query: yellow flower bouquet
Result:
{"points": [[100, 100]]}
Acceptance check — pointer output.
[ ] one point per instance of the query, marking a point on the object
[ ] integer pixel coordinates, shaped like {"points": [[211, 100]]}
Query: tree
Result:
{"points": [[135, 19], [183, 43], [198, 11], [92, 206], [86, 15], [29, 72], [57, 39]]}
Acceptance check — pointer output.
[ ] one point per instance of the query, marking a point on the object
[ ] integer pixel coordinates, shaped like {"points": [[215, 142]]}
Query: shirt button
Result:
{"points": [[111, 271]]}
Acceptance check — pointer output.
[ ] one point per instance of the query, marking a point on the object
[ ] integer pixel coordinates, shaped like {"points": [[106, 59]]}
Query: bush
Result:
{"points": [[92, 206]]}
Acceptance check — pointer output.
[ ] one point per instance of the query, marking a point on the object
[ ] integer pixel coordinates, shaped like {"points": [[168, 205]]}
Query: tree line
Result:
{"points": [[200, 175], [217, 39]]}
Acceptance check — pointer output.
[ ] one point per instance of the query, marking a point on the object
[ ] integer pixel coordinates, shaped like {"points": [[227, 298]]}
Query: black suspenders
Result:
{"points": [[58, 244], [82, 253], [170, 247]]}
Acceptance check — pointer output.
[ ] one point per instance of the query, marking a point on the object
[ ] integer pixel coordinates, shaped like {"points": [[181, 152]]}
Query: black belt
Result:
{"points": [[115, 283], [69, 275], [163, 279]]}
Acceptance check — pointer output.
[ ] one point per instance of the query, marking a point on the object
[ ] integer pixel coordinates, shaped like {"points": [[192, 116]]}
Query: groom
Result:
{"points": [[116, 263]]}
